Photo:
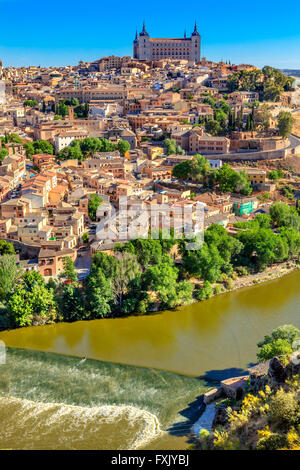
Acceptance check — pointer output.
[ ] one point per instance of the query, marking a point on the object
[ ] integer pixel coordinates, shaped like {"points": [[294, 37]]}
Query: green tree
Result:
{"points": [[30, 278], [69, 271], [204, 292], [31, 306], [38, 146], [30, 103], [99, 294], [228, 247], [9, 275], [127, 270], [184, 290], [204, 264], [6, 248], [85, 238], [172, 148], [292, 239], [263, 117], [147, 251], [71, 303], [90, 145], [108, 264], [280, 213], [213, 127], [73, 151], [230, 180], [93, 205], [276, 348], [285, 124], [182, 170], [286, 332], [62, 109], [199, 167], [123, 146], [262, 247], [12, 137], [240, 119], [221, 116], [242, 183], [3, 154], [264, 220], [162, 279]]}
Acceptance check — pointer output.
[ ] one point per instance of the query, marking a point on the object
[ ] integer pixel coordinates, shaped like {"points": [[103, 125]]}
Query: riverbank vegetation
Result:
{"points": [[268, 417], [146, 275]]}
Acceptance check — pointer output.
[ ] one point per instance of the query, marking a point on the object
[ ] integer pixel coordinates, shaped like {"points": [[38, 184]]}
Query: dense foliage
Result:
{"points": [[269, 82], [195, 169], [85, 148], [226, 178], [172, 148], [38, 147], [279, 342]]}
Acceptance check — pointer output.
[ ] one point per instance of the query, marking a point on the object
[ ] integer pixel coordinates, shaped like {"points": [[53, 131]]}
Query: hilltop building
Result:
{"points": [[146, 48]]}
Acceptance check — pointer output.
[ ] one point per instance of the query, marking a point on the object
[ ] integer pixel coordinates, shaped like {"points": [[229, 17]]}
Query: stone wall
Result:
{"points": [[254, 156], [25, 250]]}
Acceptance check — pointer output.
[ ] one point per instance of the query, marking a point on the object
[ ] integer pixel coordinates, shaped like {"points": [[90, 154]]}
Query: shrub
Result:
{"points": [[276, 348], [284, 408], [228, 282], [217, 289], [205, 292], [85, 238], [223, 441], [242, 271], [273, 442]]}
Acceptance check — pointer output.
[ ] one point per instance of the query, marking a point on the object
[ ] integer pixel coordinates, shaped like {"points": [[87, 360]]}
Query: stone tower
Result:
{"points": [[196, 45], [143, 44]]}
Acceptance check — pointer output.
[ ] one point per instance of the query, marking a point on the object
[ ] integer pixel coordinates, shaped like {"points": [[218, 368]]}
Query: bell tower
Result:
{"points": [[196, 45], [136, 46], [144, 44]]}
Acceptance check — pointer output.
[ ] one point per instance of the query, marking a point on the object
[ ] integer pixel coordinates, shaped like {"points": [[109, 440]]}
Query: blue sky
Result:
{"points": [[62, 32]]}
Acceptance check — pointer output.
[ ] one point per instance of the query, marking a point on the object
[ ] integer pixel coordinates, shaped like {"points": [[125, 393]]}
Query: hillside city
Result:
{"points": [[155, 195], [167, 131]]}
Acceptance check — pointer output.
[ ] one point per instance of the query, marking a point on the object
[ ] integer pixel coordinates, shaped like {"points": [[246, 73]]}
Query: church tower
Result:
{"points": [[136, 46], [196, 45], [144, 50]]}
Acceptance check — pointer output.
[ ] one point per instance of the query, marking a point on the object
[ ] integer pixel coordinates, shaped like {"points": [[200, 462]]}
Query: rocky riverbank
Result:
{"points": [[220, 402]]}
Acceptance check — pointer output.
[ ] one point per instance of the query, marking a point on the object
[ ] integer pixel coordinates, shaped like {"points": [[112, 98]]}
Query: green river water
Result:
{"points": [[139, 386]]}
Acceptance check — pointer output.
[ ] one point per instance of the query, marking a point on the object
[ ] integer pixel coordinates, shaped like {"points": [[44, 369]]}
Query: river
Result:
{"points": [[207, 340]]}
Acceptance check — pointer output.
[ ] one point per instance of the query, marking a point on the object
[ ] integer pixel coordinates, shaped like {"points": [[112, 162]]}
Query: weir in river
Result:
{"points": [[165, 357]]}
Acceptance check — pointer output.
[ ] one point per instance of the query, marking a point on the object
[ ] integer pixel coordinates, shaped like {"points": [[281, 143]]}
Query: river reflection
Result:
{"points": [[217, 334]]}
